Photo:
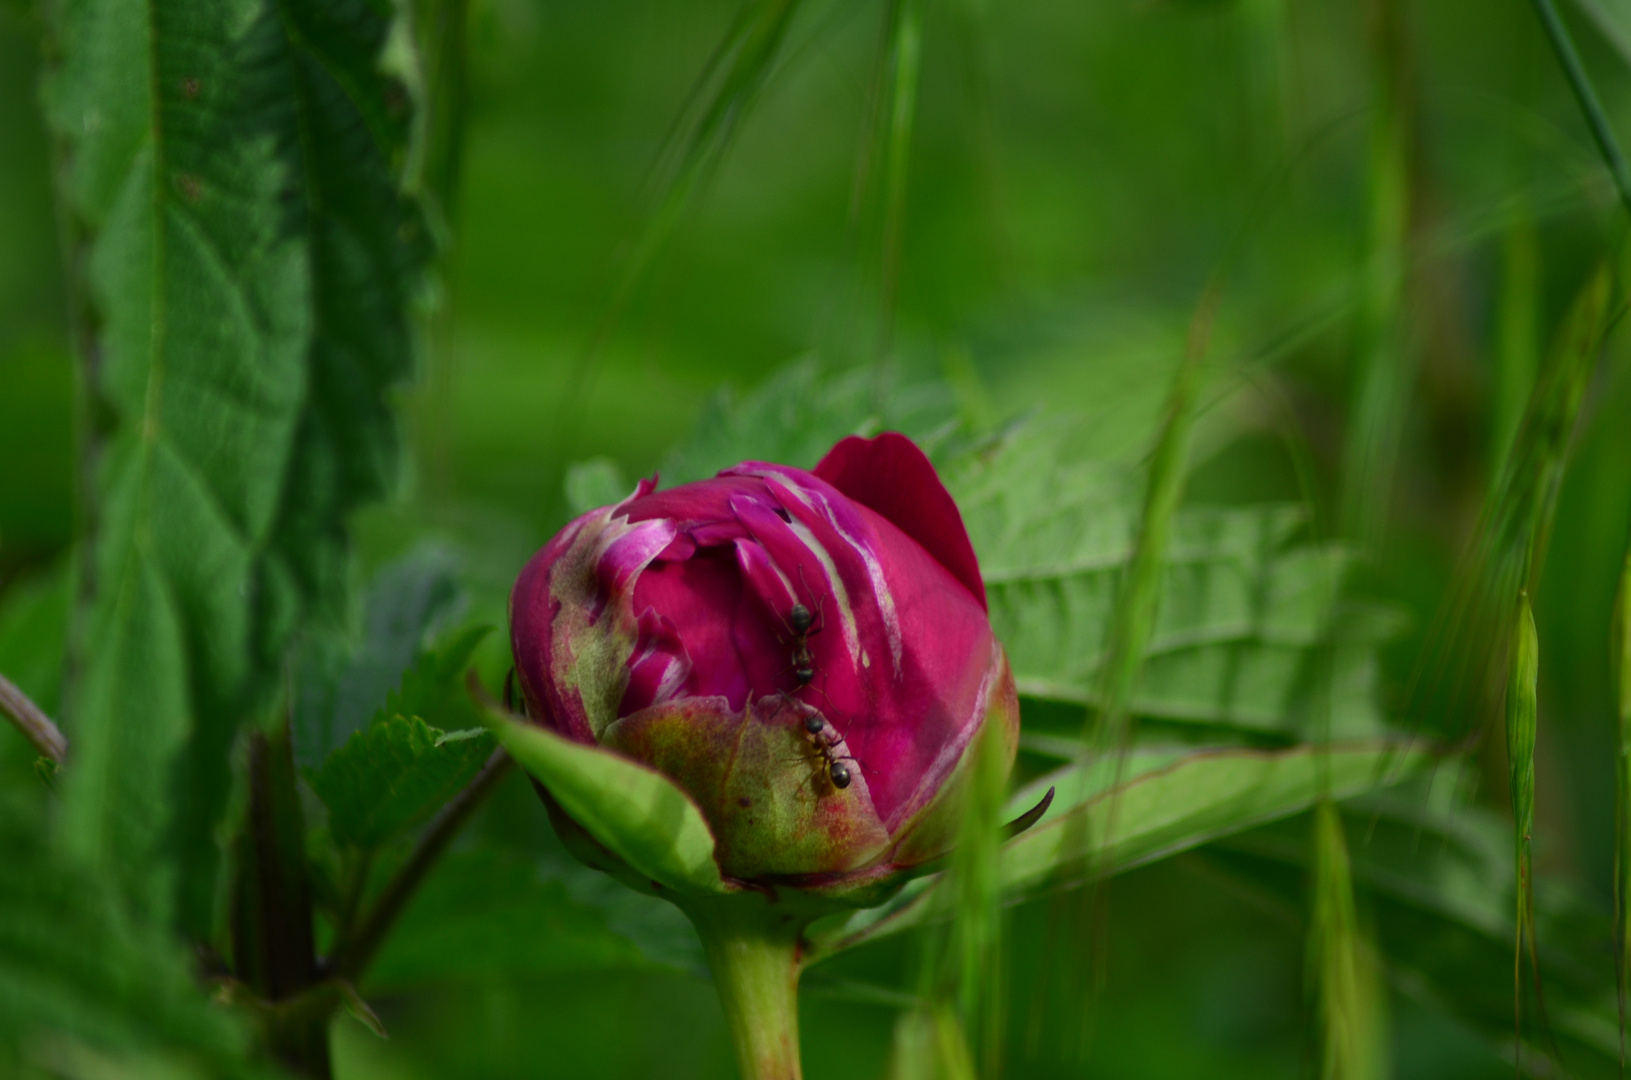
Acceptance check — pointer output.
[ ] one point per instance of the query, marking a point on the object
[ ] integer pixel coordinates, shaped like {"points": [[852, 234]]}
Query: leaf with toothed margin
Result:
{"points": [[1168, 800], [249, 259], [399, 769], [636, 813]]}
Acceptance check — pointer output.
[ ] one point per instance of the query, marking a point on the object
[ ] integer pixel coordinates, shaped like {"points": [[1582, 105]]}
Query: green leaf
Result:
{"points": [[79, 979], [1169, 800], [249, 261], [594, 483], [399, 770], [340, 684], [636, 813], [484, 913], [1245, 610], [797, 415]]}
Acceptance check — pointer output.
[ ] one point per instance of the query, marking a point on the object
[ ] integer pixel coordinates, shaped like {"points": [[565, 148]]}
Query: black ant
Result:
{"points": [[837, 772]]}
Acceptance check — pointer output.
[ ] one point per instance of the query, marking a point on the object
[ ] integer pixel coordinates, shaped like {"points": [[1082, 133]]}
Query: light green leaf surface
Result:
{"points": [[396, 772], [1169, 800], [1245, 602], [228, 188], [636, 813]]}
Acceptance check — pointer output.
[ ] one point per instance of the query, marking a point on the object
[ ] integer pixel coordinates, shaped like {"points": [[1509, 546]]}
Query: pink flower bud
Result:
{"points": [[806, 654]]}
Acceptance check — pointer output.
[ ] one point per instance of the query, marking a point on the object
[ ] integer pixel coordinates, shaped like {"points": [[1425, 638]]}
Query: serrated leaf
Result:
{"points": [[485, 913], [340, 684], [392, 775], [1168, 801], [797, 416], [636, 813], [249, 261], [1246, 607]]}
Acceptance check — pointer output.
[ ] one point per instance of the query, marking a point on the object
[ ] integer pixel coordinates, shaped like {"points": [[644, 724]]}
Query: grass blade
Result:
{"points": [[1523, 668], [1621, 663], [1386, 368], [1342, 967], [1586, 95]]}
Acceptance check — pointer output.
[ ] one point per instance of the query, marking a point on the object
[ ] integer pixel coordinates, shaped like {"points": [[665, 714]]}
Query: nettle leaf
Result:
{"points": [[339, 683], [80, 980], [799, 413], [399, 769], [1168, 800], [249, 261], [1251, 630]]}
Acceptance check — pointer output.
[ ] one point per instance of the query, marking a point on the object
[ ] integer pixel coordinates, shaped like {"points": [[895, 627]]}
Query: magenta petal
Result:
{"points": [[629, 553], [891, 476], [765, 579], [658, 667]]}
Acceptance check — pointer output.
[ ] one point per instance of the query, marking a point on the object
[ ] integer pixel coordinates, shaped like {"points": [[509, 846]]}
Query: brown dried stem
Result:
{"points": [[32, 721]]}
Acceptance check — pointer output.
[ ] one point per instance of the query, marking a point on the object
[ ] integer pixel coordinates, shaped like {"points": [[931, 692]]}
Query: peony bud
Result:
{"points": [[806, 654]]}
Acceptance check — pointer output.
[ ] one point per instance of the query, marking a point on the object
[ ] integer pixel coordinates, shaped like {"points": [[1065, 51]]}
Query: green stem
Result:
{"points": [[755, 953]]}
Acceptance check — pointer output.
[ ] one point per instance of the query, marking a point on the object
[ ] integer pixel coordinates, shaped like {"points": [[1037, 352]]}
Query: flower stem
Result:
{"points": [[755, 953]]}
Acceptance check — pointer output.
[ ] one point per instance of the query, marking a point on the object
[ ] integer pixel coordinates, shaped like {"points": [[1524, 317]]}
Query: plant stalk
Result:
{"points": [[755, 953], [32, 721]]}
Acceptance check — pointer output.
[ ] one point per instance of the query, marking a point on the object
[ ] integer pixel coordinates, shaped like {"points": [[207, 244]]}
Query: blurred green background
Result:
{"points": [[1077, 174]]}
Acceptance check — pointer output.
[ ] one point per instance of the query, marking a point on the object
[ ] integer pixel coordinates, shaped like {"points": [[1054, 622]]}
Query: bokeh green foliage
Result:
{"points": [[1076, 175]]}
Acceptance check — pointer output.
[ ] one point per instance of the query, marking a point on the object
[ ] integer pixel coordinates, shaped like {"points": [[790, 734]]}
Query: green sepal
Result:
{"points": [[635, 813]]}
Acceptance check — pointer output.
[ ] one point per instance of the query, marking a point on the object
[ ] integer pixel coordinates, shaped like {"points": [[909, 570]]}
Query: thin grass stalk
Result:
{"points": [[1463, 672], [1586, 95], [1342, 965], [961, 978], [1517, 354], [1521, 715], [1621, 639], [1386, 368], [708, 121], [1109, 727], [1138, 596], [904, 46]]}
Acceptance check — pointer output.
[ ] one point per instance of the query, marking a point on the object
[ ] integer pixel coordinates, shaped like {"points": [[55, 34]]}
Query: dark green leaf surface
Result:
{"points": [[228, 179], [79, 981], [340, 685], [397, 771], [484, 913], [1440, 884]]}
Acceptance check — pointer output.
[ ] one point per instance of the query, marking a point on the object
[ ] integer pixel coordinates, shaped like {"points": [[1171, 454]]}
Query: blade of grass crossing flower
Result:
{"points": [[1622, 793], [1385, 365], [1522, 672], [975, 948], [1342, 965]]}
